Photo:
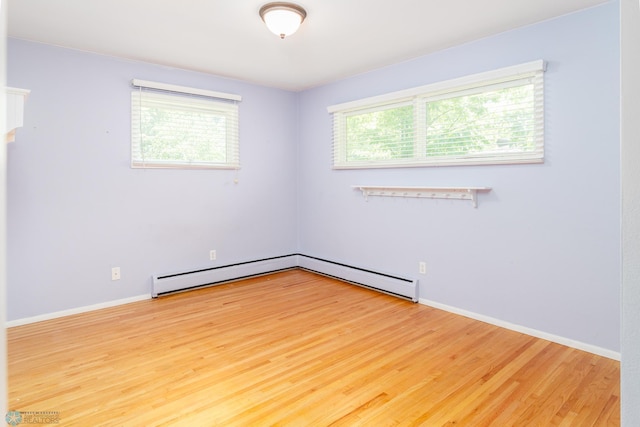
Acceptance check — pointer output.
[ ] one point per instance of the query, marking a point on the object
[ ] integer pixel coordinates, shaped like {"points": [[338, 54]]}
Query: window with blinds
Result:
{"points": [[489, 118], [172, 129]]}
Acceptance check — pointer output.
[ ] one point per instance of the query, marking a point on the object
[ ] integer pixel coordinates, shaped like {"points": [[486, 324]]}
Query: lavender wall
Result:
{"points": [[542, 249], [76, 208]]}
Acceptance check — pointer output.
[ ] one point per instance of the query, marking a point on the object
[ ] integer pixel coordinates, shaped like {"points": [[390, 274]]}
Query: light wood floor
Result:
{"points": [[299, 349]]}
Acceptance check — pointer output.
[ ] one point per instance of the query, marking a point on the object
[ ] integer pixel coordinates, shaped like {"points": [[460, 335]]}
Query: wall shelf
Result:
{"points": [[15, 110], [455, 193]]}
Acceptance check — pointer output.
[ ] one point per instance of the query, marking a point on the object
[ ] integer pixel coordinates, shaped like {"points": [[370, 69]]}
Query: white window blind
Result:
{"points": [[489, 118], [174, 129]]}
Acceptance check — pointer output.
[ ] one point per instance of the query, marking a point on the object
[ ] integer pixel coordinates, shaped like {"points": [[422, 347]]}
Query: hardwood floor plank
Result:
{"points": [[295, 348]]}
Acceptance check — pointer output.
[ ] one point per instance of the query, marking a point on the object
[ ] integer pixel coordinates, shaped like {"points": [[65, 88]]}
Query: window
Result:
{"points": [[174, 129], [489, 118]]}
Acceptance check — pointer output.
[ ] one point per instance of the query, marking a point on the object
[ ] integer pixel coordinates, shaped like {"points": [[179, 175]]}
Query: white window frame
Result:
{"points": [[530, 72], [218, 103]]}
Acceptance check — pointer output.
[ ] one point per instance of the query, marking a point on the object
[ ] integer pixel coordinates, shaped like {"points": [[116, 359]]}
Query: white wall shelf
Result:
{"points": [[455, 193], [15, 110]]}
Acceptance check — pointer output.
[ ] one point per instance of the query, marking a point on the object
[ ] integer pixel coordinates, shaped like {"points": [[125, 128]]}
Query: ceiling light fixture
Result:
{"points": [[282, 19]]}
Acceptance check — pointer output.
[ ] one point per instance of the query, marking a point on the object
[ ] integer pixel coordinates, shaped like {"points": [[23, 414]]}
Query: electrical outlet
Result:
{"points": [[212, 255], [115, 273], [423, 267]]}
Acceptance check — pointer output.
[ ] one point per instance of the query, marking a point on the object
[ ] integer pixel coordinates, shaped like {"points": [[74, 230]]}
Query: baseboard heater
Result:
{"points": [[391, 284], [176, 282]]}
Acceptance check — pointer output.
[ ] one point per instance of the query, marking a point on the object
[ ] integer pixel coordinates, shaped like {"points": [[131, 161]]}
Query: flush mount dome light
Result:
{"points": [[282, 19]]}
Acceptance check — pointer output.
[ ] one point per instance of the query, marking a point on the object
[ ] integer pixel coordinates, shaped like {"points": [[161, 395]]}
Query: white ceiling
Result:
{"points": [[339, 38]]}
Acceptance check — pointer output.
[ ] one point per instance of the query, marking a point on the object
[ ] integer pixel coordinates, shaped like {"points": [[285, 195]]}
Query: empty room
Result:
{"points": [[382, 213]]}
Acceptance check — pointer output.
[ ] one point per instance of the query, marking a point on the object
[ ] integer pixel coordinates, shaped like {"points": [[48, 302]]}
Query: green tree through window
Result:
{"points": [[491, 121], [379, 135], [170, 130], [489, 118]]}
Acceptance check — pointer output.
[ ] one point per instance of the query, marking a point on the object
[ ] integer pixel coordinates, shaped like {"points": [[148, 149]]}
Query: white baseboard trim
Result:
{"points": [[55, 315], [525, 330]]}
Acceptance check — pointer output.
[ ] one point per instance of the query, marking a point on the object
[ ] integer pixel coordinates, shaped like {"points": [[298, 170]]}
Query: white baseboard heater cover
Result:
{"points": [[387, 283], [169, 283]]}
